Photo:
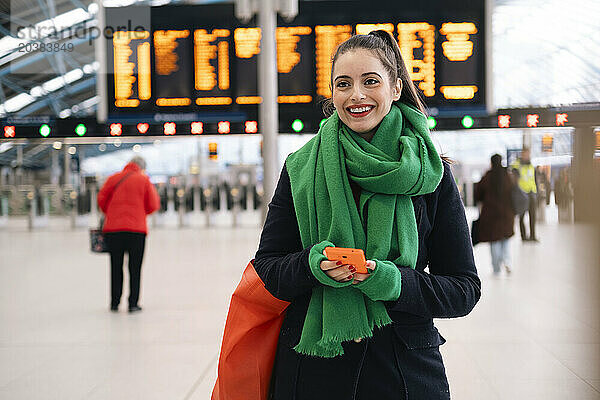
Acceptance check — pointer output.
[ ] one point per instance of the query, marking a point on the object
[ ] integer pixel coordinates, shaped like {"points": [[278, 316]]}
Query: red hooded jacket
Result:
{"points": [[131, 201]]}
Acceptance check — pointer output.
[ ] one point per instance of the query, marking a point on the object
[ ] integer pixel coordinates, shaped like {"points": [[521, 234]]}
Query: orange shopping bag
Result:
{"points": [[249, 341]]}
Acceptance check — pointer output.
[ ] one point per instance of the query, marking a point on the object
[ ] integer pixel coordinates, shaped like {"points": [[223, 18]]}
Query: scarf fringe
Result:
{"points": [[319, 351], [332, 347]]}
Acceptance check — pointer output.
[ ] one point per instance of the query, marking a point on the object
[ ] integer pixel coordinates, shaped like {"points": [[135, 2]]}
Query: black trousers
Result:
{"points": [[532, 213], [133, 243]]}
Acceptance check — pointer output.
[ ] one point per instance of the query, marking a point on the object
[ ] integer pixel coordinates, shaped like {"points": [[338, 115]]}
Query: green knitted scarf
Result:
{"points": [[399, 162]]}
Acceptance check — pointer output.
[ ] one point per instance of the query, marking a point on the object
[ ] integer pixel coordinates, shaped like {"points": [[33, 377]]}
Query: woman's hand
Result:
{"points": [[361, 277], [337, 271], [345, 273]]}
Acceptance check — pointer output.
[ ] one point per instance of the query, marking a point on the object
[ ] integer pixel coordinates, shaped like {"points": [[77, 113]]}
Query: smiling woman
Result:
{"points": [[371, 179], [363, 92]]}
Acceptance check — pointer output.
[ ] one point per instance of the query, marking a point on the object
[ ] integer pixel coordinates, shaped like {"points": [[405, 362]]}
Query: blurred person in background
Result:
{"points": [[563, 195], [497, 218], [526, 173], [370, 179], [543, 192], [126, 198]]}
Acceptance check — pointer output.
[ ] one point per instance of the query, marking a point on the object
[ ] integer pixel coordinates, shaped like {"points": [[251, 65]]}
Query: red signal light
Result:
{"points": [[116, 129], [197, 128], [169, 128], [9, 131], [533, 120], [561, 119], [143, 127], [224, 127], [503, 121], [251, 127]]}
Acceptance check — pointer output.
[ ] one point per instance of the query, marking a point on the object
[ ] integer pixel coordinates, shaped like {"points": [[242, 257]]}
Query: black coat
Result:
{"points": [[402, 360], [497, 218]]}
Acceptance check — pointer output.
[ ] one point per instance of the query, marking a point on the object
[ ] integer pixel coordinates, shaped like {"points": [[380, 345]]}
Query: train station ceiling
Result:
{"points": [[544, 52]]}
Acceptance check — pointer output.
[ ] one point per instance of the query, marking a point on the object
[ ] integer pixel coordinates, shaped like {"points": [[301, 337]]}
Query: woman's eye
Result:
{"points": [[341, 84], [371, 81]]}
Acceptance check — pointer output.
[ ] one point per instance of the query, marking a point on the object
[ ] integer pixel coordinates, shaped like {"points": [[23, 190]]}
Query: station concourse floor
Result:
{"points": [[535, 334]]}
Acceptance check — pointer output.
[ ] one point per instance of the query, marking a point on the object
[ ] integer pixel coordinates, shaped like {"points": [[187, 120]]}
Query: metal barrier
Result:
{"points": [[29, 204], [7, 196], [50, 199], [69, 203]]}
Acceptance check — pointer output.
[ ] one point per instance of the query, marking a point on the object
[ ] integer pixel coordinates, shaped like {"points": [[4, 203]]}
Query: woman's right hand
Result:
{"points": [[337, 271]]}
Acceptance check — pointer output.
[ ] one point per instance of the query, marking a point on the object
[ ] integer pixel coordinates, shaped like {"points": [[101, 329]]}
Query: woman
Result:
{"points": [[496, 220], [126, 198], [370, 179]]}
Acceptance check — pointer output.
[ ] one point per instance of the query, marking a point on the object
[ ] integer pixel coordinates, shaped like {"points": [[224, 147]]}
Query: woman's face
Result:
{"points": [[362, 93]]}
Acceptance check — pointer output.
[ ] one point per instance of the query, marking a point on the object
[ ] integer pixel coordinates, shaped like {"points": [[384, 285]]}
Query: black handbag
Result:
{"points": [[98, 243], [475, 231]]}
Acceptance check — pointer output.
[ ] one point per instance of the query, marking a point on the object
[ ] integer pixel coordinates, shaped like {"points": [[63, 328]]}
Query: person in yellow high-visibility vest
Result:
{"points": [[526, 174]]}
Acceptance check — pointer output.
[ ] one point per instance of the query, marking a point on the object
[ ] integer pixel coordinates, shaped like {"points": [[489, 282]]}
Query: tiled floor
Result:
{"points": [[534, 334]]}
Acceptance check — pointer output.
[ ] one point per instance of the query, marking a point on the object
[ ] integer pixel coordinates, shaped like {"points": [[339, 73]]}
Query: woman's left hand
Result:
{"points": [[358, 277]]}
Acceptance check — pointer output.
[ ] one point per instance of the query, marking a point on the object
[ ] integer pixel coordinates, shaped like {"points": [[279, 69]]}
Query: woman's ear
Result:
{"points": [[397, 90]]}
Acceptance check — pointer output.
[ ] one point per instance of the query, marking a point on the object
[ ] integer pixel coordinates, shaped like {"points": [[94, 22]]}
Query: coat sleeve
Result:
{"points": [[280, 261], [151, 199], [451, 288]]}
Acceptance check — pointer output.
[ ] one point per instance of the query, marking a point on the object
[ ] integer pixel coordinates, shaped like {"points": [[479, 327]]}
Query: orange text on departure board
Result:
{"points": [[327, 38], [247, 42], [463, 92], [287, 42], [457, 46], [365, 29], [144, 83], [124, 69], [205, 51], [419, 35], [165, 43]]}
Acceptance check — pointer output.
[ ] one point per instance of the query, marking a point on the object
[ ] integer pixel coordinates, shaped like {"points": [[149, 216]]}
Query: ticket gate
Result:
{"points": [[29, 205], [50, 199], [69, 203], [8, 194], [84, 203]]}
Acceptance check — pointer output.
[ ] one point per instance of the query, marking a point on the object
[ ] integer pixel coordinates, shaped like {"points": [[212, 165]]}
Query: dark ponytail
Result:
{"points": [[385, 47], [409, 94]]}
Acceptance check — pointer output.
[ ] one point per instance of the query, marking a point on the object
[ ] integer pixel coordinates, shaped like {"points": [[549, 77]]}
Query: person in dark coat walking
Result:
{"points": [[126, 198], [496, 220], [370, 179]]}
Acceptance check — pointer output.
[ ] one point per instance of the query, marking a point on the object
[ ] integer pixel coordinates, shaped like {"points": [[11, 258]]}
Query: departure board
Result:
{"points": [[211, 66], [201, 59], [171, 67], [131, 68]]}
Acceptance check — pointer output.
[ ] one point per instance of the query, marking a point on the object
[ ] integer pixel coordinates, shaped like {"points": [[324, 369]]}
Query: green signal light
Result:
{"points": [[467, 121], [80, 129], [297, 125], [45, 130], [322, 122], [431, 122]]}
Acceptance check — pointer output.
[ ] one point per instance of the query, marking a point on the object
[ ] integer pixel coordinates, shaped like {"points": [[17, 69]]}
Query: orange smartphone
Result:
{"points": [[355, 257]]}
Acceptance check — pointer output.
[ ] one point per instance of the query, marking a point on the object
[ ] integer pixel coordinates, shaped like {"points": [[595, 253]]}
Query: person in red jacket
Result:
{"points": [[126, 198]]}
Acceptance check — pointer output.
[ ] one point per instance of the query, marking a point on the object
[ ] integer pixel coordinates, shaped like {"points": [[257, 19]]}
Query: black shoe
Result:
{"points": [[114, 308], [533, 239], [134, 309]]}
